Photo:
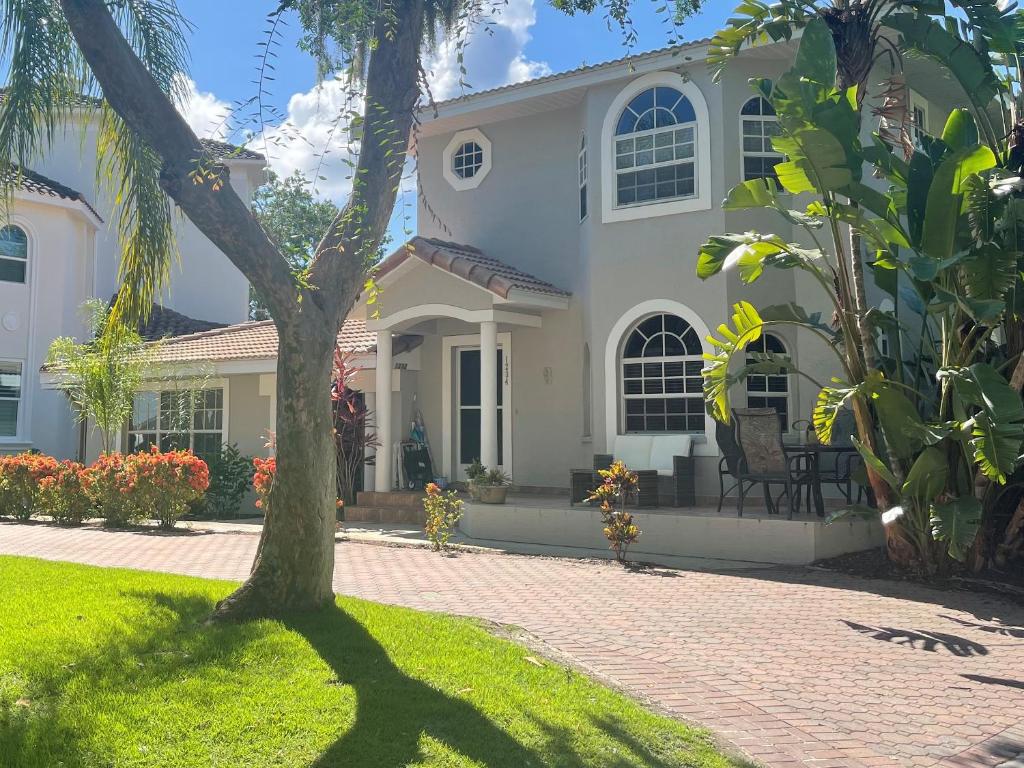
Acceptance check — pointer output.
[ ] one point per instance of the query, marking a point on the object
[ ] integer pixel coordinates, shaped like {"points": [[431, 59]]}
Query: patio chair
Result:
{"points": [[842, 468], [731, 464], [759, 435]]}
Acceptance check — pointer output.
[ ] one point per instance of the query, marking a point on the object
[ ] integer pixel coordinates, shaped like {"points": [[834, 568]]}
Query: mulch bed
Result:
{"points": [[875, 564]]}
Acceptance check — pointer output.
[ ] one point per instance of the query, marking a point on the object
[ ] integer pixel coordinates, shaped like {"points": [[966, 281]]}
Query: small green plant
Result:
{"points": [[230, 478], [614, 494], [476, 472], [496, 478], [444, 510]]}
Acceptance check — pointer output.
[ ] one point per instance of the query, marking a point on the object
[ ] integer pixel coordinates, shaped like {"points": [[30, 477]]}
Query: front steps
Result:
{"points": [[387, 507]]}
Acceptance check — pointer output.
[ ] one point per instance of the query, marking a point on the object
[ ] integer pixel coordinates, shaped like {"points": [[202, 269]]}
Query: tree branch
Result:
{"points": [[392, 89], [216, 210]]}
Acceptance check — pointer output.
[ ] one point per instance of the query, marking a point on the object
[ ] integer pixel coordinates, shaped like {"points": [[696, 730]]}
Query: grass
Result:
{"points": [[110, 667]]}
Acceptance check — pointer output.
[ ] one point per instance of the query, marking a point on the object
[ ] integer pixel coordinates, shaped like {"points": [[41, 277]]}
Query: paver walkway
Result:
{"points": [[793, 666]]}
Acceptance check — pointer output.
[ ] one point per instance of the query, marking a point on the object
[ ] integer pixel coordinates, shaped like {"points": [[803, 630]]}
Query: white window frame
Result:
{"points": [[160, 387], [581, 177], [20, 400], [28, 254], [458, 140], [664, 394], [915, 102], [701, 199], [703, 445], [744, 153], [765, 393]]}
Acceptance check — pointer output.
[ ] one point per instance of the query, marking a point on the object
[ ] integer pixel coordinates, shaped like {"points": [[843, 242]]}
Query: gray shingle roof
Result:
{"points": [[30, 181]]}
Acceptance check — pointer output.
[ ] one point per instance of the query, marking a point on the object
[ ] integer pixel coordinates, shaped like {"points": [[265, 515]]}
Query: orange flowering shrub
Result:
{"points": [[444, 510], [107, 487], [618, 489], [19, 483], [162, 485], [62, 494], [263, 479]]}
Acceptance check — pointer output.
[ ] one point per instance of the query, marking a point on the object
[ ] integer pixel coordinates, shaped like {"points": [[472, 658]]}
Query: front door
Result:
{"points": [[467, 416]]}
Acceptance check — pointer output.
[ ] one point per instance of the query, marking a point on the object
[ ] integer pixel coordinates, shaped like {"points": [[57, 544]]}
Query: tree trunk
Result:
{"points": [[295, 560]]}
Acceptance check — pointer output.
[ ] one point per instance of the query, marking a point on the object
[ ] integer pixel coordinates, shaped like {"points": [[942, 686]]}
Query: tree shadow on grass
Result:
{"points": [[394, 711]]}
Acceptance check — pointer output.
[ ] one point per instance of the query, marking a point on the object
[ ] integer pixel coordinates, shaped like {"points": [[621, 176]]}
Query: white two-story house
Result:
{"points": [[549, 302], [58, 249]]}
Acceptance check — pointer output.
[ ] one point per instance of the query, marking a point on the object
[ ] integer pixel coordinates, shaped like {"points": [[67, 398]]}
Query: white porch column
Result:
{"points": [[383, 473], [489, 393]]}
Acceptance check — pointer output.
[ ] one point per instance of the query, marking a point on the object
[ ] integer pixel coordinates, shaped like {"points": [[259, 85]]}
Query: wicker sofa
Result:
{"points": [[664, 465]]}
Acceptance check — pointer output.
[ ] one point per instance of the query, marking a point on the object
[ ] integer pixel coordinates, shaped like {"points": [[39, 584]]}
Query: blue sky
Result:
{"points": [[527, 38]]}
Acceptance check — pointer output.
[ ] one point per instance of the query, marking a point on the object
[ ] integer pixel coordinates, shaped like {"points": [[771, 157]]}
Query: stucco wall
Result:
{"points": [[204, 284], [59, 279]]}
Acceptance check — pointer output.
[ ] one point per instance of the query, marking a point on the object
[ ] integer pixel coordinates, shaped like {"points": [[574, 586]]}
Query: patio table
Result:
{"points": [[814, 452]]}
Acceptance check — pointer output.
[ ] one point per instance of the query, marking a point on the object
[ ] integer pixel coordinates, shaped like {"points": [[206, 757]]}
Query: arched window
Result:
{"points": [[662, 388], [758, 125], [13, 254], [768, 390], [655, 147]]}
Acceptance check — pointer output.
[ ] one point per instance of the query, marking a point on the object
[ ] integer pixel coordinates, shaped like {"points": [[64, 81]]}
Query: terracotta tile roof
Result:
{"points": [[470, 264], [252, 341], [36, 183]]}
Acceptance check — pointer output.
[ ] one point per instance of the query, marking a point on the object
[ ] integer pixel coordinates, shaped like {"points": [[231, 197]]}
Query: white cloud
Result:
{"points": [[493, 53], [315, 139], [313, 135], [203, 111]]}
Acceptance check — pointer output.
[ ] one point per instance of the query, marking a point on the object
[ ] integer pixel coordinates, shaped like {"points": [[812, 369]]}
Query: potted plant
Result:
{"points": [[493, 487], [476, 474]]}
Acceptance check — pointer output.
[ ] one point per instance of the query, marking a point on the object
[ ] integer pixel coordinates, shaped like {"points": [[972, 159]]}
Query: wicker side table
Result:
{"points": [[581, 483]]}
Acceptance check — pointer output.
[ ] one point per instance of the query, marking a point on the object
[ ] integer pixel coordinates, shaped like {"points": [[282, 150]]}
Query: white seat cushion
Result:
{"points": [[633, 450], [664, 448]]}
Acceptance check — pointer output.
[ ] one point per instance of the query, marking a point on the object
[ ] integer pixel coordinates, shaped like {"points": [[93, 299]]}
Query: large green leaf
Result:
{"points": [[956, 523], [927, 476], [989, 272], [960, 130], [983, 386], [830, 401], [901, 424], [746, 328], [997, 446], [942, 210], [876, 464], [969, 66], [816, 56], [764, 193], [817, 162]]}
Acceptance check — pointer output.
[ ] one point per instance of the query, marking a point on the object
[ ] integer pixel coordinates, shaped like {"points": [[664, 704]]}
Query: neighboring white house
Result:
{"points": [[58, 249], [549, 301]]}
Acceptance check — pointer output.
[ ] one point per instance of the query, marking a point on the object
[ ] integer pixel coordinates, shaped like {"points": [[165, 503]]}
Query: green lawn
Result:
{"points": [[109, 667]]}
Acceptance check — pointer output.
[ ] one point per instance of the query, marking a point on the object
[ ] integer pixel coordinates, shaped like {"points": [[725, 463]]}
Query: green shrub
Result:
{"points": [[443, 510], [230, 478]]}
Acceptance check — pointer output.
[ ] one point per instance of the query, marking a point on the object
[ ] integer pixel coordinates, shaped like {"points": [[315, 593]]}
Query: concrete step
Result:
{"points": [[390, 498], [375, 514]]}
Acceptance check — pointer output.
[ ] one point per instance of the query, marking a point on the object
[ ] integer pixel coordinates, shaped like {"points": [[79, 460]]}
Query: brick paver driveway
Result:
{"points": [[793, 666]]}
